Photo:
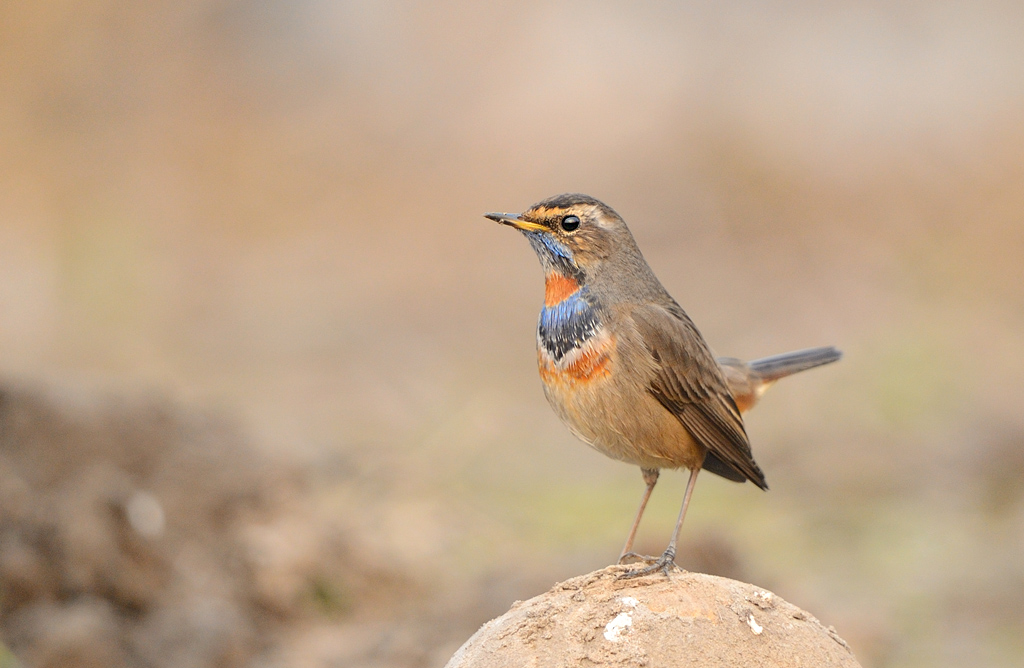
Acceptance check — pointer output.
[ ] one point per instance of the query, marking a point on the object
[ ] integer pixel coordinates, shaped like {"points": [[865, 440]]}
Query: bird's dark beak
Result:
{"points": [[515, 220]]}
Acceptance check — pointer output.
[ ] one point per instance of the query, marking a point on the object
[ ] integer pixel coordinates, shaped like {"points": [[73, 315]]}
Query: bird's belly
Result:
{"points": [[608, 407]]}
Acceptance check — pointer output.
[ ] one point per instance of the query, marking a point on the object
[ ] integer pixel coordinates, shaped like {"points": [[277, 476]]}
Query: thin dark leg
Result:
{"points": [[668, 559], [651, 478]]}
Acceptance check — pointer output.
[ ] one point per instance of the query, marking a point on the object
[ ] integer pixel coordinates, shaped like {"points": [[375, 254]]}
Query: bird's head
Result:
{"points": [[572, 234]]}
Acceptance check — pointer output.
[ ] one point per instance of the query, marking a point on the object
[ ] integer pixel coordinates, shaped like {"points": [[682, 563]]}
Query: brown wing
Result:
{"points": [[690, 385]]}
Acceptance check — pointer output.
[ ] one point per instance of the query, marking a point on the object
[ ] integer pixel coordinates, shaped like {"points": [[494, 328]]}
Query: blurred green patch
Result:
{"points": [[598, 511], [330, 598], [103, 266], [569, 513], [7, 659], [913, 377], [1005, 643]]}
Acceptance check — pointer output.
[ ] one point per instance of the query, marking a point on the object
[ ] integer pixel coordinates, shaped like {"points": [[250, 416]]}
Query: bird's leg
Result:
{"points": [[668, 559], [651, 478]]}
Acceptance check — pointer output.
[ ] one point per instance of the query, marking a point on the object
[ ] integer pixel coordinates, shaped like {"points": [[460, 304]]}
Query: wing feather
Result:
{"points": [[689, 384]]}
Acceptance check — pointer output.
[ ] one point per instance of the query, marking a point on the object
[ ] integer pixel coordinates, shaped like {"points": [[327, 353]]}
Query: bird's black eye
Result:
{"points": [[570, 223]]}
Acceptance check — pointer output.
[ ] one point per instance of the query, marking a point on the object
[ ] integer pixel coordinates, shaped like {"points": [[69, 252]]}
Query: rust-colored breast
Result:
{"points": [[557, 288]]}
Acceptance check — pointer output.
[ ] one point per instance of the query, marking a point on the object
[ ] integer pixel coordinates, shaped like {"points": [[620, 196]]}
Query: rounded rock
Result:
{"points": [[686, 619]]}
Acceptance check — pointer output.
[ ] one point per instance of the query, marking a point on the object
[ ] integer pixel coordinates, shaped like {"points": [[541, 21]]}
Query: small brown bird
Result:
{"points": [[625, 368]]}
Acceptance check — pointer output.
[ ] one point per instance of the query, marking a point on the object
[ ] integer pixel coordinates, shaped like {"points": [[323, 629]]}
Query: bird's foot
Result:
{"points": [[634, 557], [665, 563]]}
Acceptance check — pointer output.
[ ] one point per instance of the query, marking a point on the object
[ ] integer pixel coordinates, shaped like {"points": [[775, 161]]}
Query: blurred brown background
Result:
{"points": [[270, 212]]}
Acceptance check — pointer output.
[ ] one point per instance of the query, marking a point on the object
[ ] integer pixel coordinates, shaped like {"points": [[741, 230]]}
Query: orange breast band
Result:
{"points": [[557, 288], [591, 364]]}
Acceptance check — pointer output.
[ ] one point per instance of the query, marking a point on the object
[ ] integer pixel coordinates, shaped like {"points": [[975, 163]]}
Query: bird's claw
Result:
{"points": [[665, 563], [637, 557]]}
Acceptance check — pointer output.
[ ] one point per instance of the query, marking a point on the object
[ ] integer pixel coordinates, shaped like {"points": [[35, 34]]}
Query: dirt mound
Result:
{"points": [[689, 619]]}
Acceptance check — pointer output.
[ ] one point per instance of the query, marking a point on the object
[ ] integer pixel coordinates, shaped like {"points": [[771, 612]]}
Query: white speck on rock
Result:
{"points": [[751, 622], [762, 599], [615, 629], [630, 601]]}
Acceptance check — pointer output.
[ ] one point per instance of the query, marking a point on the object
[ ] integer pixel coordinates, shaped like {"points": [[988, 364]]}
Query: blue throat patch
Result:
{"points": [[568, 324], [553, 254]]}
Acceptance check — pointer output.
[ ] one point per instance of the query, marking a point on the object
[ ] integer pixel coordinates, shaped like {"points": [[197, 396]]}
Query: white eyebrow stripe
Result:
{"points": [[595, 214]]}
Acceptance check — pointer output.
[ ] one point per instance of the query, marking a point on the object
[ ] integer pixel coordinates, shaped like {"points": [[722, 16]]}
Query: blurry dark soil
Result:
{"points": [[133, 533]]}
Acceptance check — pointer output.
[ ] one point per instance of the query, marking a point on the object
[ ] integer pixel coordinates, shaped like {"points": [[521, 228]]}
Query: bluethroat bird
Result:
{"points": [[626, 369]]}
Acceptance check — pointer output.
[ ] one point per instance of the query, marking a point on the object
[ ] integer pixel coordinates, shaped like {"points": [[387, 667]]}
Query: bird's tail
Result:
{"points": [[772, 368]]}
